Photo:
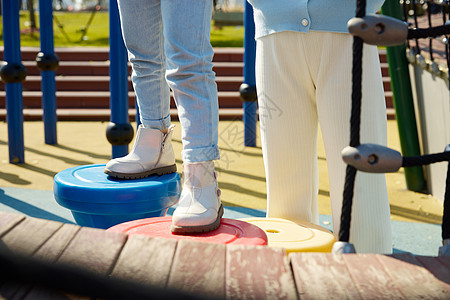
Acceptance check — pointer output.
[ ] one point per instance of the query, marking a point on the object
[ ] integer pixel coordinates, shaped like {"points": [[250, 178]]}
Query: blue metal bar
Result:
{"points": [[14, 100], [118, 71], [48, 76], [250, 117], [249, 107]]}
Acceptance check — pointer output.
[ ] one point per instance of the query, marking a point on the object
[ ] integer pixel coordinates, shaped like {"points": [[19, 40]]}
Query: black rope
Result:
{"points": [[347, 202], [430, 26], [420, 33], [447, 46], [405, 19], [412, 161], [355, 121], [446, 214], [416, 24]]}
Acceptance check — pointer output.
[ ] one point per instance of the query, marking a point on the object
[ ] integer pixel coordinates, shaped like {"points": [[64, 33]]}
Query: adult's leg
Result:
{"points": [[288, 120], [370, 225]]}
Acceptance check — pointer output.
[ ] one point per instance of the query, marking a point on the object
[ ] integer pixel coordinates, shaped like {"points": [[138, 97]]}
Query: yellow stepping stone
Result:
{"points": [[294, 237]]}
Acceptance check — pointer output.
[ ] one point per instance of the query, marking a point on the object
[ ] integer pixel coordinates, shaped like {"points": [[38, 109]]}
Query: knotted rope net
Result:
{"points": [[355, 120], [428, 23]]}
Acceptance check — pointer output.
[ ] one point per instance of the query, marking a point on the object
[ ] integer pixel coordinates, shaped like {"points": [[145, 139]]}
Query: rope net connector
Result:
{"points": [[434, 68], [411, 54], [445, 249], [343, 248], [379, 30], [421, 61], [372, 158]]}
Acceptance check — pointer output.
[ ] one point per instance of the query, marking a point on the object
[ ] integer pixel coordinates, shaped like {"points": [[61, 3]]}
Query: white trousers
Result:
{"points": [[303, 80]]}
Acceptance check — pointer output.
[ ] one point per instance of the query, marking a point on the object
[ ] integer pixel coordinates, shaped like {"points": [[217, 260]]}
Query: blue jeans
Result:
{"points": [[168, 46]]}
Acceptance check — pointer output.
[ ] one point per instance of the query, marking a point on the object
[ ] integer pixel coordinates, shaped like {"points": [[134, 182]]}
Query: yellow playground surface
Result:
{"points": [[241, 169]]}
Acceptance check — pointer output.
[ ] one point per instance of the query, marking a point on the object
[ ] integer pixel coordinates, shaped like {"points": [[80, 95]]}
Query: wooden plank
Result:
{"points": [[24, 239], [94, 249], [199, 268], [258, 273], [45, 294], [29, 235], [50, 252], [8, 221], [370, 278], [146, 260], [54, 246], [88, 248], [436, 267], [322, 276], [413, 280], [13, 290], [445, 260]]}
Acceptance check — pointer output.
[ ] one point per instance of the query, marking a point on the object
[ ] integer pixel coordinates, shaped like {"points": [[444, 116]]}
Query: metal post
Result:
{"points": [[403, 103], [119, 132], [48, 62], [13, 73], [248, 88]]}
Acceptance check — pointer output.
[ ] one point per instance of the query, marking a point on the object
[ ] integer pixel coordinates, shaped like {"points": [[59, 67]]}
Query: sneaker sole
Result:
{"points": [[158, 171], [199, 229]]}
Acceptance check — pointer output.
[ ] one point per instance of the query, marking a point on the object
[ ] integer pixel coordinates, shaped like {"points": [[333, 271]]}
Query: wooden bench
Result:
{"points": [[219, 271]]}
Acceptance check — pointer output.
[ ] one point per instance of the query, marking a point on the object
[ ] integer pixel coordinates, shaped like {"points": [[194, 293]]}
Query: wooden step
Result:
{"points": [[101, 68], [383, 55], [103, 114], [384, 69], [86, 55], [102, 54], [82, 82], [96, 99], [387, 83], [101, 83]]}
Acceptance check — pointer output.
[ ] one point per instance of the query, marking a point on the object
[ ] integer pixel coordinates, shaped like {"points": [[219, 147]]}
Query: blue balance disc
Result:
{"points": [[101, 201]]}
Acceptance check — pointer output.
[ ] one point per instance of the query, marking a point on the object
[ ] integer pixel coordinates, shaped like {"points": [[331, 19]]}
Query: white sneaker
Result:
{"points": [[152, 153], [199, 209]]}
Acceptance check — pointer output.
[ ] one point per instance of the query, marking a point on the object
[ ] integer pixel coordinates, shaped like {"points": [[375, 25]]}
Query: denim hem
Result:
{"points": [[161, 124], [200, 154]]}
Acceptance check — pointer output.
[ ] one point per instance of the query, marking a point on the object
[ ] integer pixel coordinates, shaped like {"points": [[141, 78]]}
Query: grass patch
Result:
{"points": [[69, 33], [227, 36]]}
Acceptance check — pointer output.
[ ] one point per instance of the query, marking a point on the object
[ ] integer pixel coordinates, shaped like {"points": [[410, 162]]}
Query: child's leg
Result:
{"points": [[288, 120], [370, 224], [142, 32], [187, 26], [152, 151]]}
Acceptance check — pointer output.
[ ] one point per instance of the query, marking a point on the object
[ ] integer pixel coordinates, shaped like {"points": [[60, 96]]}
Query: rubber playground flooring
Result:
{"points": [[27, 188]]}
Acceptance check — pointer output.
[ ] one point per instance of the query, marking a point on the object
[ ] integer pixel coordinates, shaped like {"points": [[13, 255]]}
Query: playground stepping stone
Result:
{"points": [[229, 232], [101, 201], [294, 237]]}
